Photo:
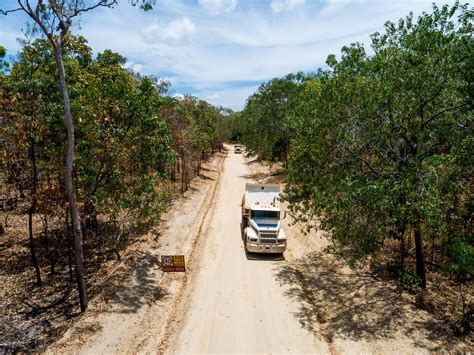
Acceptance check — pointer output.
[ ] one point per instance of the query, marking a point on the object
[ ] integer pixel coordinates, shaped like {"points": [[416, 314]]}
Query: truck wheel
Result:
{"points": [[244, 239]]}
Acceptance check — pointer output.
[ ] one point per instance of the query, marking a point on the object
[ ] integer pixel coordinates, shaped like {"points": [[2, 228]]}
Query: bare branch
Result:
{"points": [[6, 12], [101, 3], [39, 5], [64, 25], [35, 16]]}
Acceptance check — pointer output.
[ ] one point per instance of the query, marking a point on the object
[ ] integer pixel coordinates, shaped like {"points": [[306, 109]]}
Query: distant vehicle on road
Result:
{"points": [[237, 149], [261, 227]]}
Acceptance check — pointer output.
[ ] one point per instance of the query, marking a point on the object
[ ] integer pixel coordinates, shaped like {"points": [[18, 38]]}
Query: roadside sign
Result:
{"points": [[173, 263]]}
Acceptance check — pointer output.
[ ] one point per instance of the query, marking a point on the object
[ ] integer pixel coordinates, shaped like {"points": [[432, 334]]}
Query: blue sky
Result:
{"points": [[221, 50]]}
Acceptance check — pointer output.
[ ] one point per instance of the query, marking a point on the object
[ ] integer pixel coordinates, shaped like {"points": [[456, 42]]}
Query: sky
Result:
{"points": [[222, 50]]}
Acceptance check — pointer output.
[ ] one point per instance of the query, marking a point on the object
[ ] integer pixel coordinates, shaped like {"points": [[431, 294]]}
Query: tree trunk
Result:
{"points": [[183, 174], [34, 260], [173, 172], [186, 175], [432, 248], [402, 250], [68, 241], [92, 223], [71, 195], [420, 255], [31, 210]]}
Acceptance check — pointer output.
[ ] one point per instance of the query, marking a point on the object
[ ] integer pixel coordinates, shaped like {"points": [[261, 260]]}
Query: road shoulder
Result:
{"points": [[136, 316]]}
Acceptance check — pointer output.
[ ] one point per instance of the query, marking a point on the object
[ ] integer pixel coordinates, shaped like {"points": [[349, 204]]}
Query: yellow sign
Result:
{"points": [[178, 260], [173, 263]]}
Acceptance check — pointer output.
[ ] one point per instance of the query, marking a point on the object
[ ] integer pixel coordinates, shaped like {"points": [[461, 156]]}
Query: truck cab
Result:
{"points": [[262, 232]]}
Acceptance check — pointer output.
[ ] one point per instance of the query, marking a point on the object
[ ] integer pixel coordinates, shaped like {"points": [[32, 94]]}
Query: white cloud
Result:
{"points": [[217, 6], [334, 5], [172, 80], [135, 67], [178, 97], [229, 55], [233, 98], [177, 32], [286, 5], [213, 97]]}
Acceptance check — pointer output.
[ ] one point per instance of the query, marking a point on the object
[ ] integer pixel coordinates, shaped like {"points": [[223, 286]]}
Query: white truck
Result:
{"points": [[261, 228]]}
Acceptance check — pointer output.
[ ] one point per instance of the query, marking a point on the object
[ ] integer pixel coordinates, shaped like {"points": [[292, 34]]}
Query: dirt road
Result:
{"points": [[307, 302], [238, 305]]}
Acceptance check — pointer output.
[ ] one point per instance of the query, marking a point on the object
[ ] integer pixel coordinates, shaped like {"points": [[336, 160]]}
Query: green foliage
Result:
{"points": [[268, 110], [409, 280], [3, 63], [124, 143], [388, 131], [461, 254], [380, 146]]}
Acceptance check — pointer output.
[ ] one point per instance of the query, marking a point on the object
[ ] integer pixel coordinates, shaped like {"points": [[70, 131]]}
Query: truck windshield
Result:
{"points": [[266, 218], [265, 215]]}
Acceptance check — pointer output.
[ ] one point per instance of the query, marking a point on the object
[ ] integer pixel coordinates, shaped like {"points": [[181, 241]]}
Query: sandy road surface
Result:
{"points": [[238, 305]]}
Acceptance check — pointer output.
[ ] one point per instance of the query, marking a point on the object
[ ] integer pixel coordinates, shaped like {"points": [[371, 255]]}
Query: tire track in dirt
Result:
{"points": [[293, 260], [183, 293]]}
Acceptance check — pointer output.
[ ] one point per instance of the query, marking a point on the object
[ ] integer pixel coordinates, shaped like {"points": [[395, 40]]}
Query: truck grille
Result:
{"points": [[268, 235], [268, 241], [268, 238]]}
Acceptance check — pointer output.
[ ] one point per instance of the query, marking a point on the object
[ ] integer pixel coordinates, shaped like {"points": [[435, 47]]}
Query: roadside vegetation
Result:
{"points": [[377, 149], [136, 149]]}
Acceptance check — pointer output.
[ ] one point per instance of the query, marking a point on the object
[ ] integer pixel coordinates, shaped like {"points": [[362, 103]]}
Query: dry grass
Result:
{"points": [[31, 317]]}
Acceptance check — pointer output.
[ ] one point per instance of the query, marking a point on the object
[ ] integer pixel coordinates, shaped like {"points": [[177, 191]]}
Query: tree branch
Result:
{"points": [[59, 13], [6, 12], [101, 3], [366, 163], [431, 99], [452, 108]]}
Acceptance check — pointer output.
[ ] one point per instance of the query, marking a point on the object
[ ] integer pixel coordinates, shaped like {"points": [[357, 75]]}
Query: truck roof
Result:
{"points": [[262, 194], [264, 207]]}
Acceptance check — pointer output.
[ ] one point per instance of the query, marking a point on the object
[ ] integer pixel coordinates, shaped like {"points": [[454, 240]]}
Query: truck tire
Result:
{"points": [[244, 239], [243, 225]]}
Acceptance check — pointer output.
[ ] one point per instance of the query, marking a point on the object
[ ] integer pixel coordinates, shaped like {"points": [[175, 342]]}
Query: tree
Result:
{"points": [[54, 19], [3, 63], [380, 144], [268, 109]]}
